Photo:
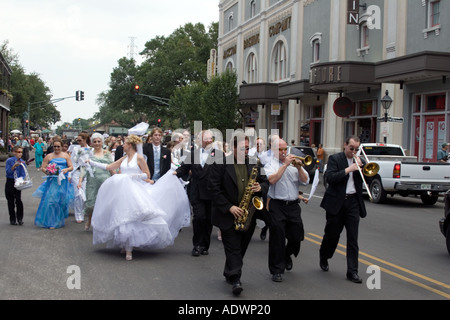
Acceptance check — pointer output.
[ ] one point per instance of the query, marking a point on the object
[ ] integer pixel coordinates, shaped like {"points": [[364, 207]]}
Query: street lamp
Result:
{"points": [[386, 102]]}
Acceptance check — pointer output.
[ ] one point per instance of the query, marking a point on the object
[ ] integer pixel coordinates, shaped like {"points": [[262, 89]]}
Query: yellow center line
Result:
{"points": [[444, 285]]}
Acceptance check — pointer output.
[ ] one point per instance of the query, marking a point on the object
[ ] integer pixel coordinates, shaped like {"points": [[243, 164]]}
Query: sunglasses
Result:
{"points": [[283, 149], [354, 149]]}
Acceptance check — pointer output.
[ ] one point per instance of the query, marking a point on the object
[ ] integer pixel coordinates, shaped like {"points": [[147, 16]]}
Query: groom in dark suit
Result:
{"points": [[158, 157], [344, 205]]}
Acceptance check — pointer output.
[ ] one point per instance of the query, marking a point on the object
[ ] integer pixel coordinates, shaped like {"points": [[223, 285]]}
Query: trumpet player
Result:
{"points": [[284, 209], [344, 205], [228, 183]]}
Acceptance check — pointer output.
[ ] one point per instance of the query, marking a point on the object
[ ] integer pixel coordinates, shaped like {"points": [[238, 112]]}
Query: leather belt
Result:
{"points": [[286, 202], [350, 195]]}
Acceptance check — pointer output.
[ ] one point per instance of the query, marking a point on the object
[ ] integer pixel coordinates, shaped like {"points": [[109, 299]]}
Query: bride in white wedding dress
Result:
{"points": [[131, 211]]}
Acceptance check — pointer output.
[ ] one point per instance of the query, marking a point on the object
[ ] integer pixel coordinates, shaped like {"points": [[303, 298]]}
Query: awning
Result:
{"points": [[258, 93], [344, 76], [295, 90], [420, 66]]}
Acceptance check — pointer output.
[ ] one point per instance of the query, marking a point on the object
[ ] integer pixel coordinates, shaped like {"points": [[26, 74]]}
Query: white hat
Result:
{"points": [[139, 129]]}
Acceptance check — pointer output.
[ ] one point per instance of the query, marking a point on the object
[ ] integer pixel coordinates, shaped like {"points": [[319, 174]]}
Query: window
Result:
{"points": [[230, 22], [364, 44], [279, 62], [433, 13], [252, 8], [315, 42], [251, 69], [433, 17]]}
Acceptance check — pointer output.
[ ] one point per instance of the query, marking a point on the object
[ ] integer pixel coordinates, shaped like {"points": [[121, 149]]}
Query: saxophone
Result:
{"points": [[243, 223]]}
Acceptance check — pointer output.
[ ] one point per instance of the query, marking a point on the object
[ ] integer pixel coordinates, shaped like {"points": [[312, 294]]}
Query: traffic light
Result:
{"points": [[79, 95], [159, 122], [136, 89]]}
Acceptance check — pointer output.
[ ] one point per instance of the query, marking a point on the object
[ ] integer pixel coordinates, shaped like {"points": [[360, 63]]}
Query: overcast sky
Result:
{"points": [[74, 45]]}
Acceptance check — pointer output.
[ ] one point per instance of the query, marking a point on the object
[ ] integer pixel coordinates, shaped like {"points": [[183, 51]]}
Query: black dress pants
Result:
{"points": [[286, 223], [347, 217], [14, 198], [235, 244], [201, 223]]}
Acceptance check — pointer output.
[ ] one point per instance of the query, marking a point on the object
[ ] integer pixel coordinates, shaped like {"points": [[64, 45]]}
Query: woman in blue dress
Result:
{"points": [[56, 192]]}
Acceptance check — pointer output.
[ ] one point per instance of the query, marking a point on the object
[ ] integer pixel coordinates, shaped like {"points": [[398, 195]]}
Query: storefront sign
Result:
{"points": [[352, 11], [275, 109], [280, 27], [251, 41], [325, 74]]}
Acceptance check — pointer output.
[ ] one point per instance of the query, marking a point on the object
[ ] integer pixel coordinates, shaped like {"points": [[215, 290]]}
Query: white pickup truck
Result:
{"points": [[404, 175]]}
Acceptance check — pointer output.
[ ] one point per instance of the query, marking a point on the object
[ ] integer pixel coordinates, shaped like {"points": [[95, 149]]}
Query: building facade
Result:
{"points": [[5, 97], [317, 70]]}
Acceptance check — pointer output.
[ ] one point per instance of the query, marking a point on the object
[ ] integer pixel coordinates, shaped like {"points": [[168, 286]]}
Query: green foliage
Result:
{"points": [[29, 88], [176, 62]]}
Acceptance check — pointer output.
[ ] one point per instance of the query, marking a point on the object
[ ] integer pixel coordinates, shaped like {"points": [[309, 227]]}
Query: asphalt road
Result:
{"points": [[401, 237]]}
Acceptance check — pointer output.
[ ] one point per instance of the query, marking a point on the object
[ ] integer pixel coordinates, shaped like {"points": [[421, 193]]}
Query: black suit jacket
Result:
{"points": [[224, 190], [119, 153], [198, 187], [334, 197], [165, 159]]}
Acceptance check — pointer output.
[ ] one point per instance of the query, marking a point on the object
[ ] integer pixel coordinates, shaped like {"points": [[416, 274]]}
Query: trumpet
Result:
{"points": [[307, 160], [370, 169]]}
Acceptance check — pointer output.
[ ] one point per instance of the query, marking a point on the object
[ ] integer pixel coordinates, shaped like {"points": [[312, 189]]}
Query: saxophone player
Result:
{"points": [[284, 209], [228, 184]]}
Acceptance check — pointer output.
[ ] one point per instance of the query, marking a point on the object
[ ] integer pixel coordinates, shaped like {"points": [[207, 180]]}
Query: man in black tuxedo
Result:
{"points": [[158, 157], [344, 205], [198, 163], [227, 184]]}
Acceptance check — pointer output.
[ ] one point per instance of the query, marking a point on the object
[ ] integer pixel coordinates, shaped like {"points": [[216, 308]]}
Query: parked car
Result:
{"points": [[304, 151], [444, 222]]}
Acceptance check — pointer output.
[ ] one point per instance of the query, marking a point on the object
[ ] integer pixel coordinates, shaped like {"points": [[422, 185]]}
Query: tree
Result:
{"points": [[29, 88], [215, 103], [170, 63]]}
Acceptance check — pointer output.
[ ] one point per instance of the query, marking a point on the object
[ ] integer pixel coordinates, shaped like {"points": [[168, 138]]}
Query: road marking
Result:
{"points": [[395, 274]]}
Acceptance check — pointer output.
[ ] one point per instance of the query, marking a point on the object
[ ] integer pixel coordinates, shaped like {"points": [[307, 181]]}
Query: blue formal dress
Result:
{"points": [[56, 197]]}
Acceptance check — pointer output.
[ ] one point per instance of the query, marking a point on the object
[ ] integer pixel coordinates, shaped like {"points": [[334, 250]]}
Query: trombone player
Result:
{"points": [[344, 206]]}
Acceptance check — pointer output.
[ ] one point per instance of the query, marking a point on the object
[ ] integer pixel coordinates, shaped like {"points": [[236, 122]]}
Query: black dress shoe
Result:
{"points": [[353, 277], [263, 234], [204, 251], [196, 251], [20, 223], [288, 263], [237, 288], [277, 277], [13, 223], [323, 264]]}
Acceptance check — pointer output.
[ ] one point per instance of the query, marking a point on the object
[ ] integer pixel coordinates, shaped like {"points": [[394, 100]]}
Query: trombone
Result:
{"points": [[370, 169]]}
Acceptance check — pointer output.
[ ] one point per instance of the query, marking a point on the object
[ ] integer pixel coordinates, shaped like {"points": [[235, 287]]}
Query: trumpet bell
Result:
{"points": [[258, 203], [306, 160], [371, 169]]}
